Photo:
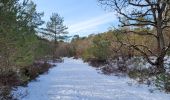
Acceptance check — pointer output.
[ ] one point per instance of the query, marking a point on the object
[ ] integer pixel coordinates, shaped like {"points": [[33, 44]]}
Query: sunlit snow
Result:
{"points": [[76, 80]]}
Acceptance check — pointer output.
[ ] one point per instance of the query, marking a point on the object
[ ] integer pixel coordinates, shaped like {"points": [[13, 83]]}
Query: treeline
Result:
{"points": [[23, 51], [108, 45]]}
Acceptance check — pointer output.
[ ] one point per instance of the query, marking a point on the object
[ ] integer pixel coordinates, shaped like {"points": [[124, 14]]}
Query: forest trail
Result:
{"points": [[76, 80]]}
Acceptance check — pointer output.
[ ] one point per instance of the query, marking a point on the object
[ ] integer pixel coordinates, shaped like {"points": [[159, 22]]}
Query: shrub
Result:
{"points": [[87, 54], [142, 74], [99, 50], [31, 72], [8, 79], [163, 81]]}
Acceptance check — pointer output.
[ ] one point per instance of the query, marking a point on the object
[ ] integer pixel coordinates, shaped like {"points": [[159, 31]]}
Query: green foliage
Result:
{"points": [[18, 32], [163, 81], [56, 29], [88, 54], [20, 46], [168, 52], [141, 74], [31, 72], [43, 49], [55, 26], [24, 54], [99, 50], [134, 74], [18, 39], [71, 51]]}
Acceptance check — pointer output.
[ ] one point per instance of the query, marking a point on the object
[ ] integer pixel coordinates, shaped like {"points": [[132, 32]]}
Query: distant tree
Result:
{"points": [[75, 37], [145, 13], [56, 29]]}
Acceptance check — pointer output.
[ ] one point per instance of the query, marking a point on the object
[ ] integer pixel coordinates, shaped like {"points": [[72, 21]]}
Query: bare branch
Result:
{"points": [[142, 33]]}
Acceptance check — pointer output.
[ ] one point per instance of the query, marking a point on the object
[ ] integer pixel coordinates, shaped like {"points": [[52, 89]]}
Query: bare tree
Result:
{"points": [[148, 13]]}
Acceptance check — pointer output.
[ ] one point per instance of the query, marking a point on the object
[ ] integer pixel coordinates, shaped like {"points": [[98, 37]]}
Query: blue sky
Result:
{"points": [[82, 17]]}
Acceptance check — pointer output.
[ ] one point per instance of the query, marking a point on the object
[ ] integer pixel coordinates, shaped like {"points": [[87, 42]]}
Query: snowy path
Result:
{"points": [[75, 80]]}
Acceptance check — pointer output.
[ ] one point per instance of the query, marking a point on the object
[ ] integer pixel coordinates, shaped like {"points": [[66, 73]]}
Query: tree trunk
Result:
{"points": [[55, 41], [160, 65], [160, 37], [160, 46]]}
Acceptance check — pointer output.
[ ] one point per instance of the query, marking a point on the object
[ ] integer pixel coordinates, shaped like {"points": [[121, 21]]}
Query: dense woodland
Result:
{"points": [[143, 36], [24, 46]]}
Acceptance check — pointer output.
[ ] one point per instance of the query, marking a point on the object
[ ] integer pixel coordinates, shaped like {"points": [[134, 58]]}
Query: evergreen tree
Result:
{"points": [[56, 29]]}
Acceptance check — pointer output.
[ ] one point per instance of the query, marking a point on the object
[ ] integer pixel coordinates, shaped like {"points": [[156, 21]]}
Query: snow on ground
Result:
{"points": [[75, 80]]}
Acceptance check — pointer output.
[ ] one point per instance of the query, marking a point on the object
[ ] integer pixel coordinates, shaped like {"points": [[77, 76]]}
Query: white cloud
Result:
{"points": [[91, 25]]}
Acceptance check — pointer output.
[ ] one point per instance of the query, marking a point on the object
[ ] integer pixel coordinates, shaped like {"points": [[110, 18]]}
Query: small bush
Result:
{"points": [[108, 70], [141, 74], [87, 54], [163, 81], [134, 74], [8, 79], [96, 62], [5, 93], [31, 72], [99, 50]]}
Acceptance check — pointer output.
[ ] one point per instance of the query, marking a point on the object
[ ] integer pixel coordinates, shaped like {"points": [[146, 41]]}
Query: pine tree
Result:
{"points": [[56, 29]]}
